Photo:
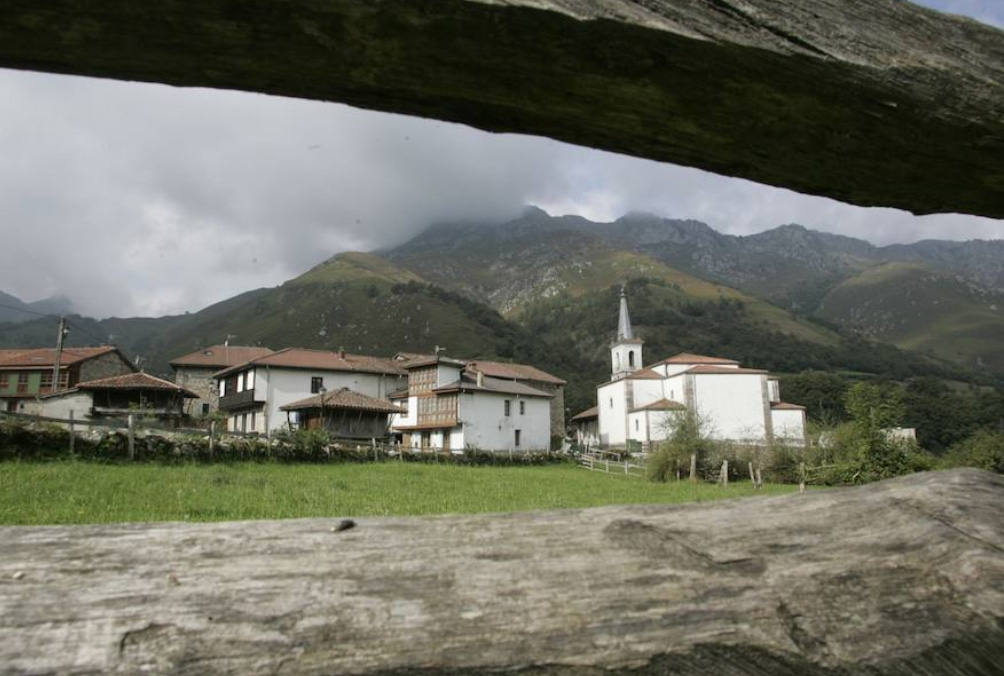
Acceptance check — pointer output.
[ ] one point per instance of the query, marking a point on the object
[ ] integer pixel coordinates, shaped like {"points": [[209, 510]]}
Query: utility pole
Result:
{"points": [[59, 352]]}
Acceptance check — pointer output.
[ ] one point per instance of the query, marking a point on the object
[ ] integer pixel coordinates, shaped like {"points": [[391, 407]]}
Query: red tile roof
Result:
{"points": [[588, 414], [467, 383], [721, 370], [661, 405], [322, 360], [784, 406], [343, 398], [221, 356], [134, 381], [689, 358], [644, 374], [498, 369], [43, 357]]}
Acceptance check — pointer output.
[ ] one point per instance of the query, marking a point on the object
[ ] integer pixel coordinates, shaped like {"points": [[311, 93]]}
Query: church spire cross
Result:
{"points": [[624, 320]]}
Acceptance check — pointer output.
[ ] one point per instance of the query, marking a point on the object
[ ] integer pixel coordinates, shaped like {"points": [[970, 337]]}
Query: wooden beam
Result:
{"points": [[873, 102], [903, 576]]}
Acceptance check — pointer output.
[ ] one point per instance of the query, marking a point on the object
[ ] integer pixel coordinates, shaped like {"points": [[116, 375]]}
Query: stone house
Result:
{"points": [[195, 370], [27, 373]]}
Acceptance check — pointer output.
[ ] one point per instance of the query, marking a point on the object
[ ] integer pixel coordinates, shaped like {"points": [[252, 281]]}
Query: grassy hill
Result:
{"points": [[919, 308]]}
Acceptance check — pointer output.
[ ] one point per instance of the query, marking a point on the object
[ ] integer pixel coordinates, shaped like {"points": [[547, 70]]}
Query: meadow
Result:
{"points": [[75, 492]]}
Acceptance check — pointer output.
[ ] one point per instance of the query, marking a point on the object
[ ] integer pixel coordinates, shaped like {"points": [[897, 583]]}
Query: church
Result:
{"points": [[732, 403]]}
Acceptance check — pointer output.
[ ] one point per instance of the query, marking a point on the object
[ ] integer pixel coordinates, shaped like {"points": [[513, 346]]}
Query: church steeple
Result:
{"points": [[624, 320], [625, 350]]}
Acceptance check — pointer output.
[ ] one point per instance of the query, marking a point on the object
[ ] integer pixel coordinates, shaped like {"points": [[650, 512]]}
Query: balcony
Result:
{"points": [[230, 402]]}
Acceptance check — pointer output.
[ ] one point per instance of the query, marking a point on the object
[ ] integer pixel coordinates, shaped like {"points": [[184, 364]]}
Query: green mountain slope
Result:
{"points": [[513, 265], [918, 308]]}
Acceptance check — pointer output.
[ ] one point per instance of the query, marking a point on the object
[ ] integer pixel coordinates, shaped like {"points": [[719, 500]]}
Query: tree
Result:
{"points": [[686, 439]]}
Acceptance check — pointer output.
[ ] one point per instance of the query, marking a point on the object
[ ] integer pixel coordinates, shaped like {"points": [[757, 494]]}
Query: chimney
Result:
{"points": [[341, 353], [481, 379]]}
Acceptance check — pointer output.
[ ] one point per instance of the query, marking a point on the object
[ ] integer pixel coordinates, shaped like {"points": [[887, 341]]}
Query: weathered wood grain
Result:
{"points": [[902, 577], [874, 102]]}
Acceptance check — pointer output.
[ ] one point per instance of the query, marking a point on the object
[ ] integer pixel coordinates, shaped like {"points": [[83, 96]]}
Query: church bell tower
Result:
{"points": [[625, 350]]}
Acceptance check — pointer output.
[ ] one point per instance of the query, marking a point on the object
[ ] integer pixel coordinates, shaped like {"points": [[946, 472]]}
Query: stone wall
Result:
{"points": [[200, 381], [104, 366]]}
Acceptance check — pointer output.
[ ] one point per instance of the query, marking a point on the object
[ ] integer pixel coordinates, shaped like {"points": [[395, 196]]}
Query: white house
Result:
{"points": [[732, 403], [449, 405], [252, 395]]}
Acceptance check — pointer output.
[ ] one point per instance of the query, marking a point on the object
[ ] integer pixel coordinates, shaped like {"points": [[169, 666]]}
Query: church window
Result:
{"points": [[617, 360], [631, 358], [636, 424], [611, 402]]}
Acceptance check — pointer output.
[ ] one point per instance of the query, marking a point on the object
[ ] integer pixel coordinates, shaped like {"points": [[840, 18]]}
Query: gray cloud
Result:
{"points": [[146, 199]]}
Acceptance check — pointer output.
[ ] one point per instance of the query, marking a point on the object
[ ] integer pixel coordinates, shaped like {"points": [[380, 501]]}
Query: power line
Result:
{"points": [[29, 312]]}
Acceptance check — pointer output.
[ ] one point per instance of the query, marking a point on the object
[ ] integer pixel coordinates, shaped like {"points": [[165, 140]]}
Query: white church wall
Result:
{"points": [[611, 406], [646, 391], [731, 406]]}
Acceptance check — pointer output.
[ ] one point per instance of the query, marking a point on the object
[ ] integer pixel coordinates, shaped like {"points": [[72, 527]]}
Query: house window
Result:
{"points": [[22, 383], [240, 382], [46, 382], [64, 379], [517, 438], [249, 380], [253, 428], [205, 409], [316, 383], [507, 407], [4, 381], [223, 388], [244, 422], [522, 407]]}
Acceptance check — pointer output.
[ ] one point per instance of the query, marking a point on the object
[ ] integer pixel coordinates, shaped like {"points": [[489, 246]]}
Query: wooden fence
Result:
{"points": [[608, 463]]}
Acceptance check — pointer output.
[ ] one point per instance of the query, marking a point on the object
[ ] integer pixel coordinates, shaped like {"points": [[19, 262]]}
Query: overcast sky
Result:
{"points": [[141, 199]]}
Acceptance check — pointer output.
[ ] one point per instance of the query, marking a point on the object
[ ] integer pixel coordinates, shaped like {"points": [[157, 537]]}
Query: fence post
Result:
{"points": [[725, 473], [801, 477], [752, 475], [625, 467], [212, 437], [759, 478], [72, 433], [693, 468], [132, 437]]}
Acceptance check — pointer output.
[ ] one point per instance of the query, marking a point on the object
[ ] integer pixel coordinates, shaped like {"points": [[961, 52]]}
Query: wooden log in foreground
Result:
{"points": [[901, 577], [873, 102]]}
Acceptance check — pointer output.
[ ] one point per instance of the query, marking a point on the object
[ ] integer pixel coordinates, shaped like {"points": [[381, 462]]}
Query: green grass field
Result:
{"points": [[79, 492]]}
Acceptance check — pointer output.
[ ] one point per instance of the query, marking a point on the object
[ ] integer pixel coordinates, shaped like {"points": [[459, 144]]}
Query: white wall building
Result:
{"points": [[452, 406], [732, 403], [251, 394]]}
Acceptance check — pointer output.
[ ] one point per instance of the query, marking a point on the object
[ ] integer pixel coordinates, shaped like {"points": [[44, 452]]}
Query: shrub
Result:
{"points": [[983, 450], [686, 439]]}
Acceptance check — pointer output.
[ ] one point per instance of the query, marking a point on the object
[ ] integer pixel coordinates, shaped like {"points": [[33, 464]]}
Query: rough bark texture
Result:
{"points": [[901, 577], [875, 102]]}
